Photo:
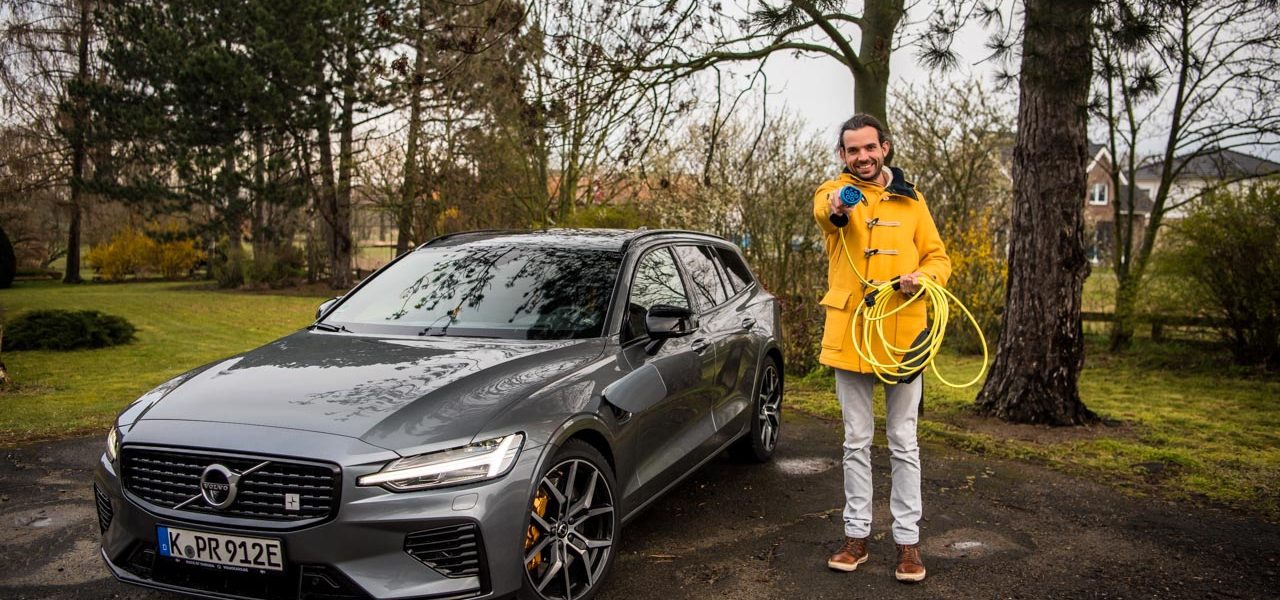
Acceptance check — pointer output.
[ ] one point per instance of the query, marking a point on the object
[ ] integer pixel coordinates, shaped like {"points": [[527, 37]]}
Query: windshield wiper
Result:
{"points": [[330, 328]]}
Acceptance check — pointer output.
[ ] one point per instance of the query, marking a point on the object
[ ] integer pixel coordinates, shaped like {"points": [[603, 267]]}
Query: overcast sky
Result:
{"points": [[821, 89]]}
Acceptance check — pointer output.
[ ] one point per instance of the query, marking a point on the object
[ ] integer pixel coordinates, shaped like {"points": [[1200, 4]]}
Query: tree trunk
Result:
{"points": [[259, 228], [871, 82], [80, 118], [1041, 352], [409, 190], [341, 247]]}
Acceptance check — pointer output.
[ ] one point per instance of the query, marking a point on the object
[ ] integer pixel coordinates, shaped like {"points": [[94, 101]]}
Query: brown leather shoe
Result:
{"points": [[910, 567], [850, 555]]}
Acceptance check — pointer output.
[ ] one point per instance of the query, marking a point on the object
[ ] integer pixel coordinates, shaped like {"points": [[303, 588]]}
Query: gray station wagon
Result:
{"points": [[478, 418]]}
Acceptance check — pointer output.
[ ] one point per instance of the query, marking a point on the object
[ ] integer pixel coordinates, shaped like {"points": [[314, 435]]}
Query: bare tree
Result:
{"points": [[47, 48], [1195, 77], [953, 144]]}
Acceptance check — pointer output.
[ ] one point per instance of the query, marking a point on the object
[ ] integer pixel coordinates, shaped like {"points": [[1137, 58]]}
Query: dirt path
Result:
{"points": [[994, 529]]}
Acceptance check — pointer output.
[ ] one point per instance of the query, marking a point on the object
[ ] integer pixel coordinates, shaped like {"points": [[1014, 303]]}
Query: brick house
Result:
{"points": [[1099, 205]]}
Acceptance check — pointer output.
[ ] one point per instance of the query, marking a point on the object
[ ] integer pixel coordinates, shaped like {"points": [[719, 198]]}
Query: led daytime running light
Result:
{"points": [[498, 460], [113, 443]]}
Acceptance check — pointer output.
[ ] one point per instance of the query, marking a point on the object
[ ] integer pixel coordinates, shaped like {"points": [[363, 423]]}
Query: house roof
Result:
{"points": [[1141, 199], [1217, 164]]}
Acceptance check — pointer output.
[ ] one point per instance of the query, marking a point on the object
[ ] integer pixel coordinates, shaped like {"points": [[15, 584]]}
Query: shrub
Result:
{"points": [[978, 273], [1227, 253], [66, 330], [133, 252], [607, 216], [176, 258], [275, 268], [802, 321], [228, 268]]}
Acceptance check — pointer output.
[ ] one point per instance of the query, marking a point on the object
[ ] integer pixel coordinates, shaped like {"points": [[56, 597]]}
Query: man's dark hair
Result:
{"points": [[858, 121]]}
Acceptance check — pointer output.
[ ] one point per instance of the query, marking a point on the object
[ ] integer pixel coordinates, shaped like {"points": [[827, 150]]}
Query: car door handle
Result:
{"points": [[748, 323], [700, 345]]}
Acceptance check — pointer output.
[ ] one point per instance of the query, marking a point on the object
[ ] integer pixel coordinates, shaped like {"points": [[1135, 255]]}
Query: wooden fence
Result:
{"points": [[1159, 322]]}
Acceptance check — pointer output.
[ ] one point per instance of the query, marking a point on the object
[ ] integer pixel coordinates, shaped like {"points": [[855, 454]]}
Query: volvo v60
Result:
{"points": [[476, 419]]}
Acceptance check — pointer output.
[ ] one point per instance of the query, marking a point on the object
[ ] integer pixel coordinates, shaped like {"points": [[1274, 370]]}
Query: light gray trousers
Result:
{"points": [[903, 402]]}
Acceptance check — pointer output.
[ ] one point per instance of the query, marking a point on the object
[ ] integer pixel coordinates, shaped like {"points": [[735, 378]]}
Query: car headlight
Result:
{"points": [[470, 463], [113, 443]]}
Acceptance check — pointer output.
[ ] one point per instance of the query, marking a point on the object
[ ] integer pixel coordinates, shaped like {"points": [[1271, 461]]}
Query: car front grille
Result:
{"points": [[282, 490], [104, 508], [453, 550]]}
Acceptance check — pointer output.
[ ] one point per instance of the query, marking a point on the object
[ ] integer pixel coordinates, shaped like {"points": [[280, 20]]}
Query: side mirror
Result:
{"points": [[664, 321], [324, 306]]}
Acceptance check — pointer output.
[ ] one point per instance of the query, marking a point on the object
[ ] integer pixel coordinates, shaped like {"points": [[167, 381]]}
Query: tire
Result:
{"points": [[759, 444], [572, 533]]}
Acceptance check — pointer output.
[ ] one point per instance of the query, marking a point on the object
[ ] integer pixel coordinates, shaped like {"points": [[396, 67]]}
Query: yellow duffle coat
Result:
{"points": [[889, 234]]}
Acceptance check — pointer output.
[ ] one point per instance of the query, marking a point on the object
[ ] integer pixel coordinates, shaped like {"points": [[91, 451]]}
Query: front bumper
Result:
{"points": [[360, 552]]}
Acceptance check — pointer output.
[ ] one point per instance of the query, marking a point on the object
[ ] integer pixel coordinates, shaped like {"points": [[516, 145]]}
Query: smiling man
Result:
{"points": [[887, 233]]}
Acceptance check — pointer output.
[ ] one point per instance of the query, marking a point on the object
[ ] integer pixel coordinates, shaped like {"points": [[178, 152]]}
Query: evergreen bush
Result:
{"points": [[66, 330]]}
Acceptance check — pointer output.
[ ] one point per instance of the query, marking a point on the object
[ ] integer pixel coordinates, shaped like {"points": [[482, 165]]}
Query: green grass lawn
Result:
{"points": [[1183, 423], [180, 326]]}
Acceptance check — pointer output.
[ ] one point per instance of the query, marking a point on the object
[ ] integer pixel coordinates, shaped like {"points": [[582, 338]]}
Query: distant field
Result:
{"points": [[1184, 422], [180, 326]]}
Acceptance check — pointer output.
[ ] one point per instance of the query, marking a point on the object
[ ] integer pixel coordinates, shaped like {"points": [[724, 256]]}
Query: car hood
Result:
{"points": [[394, 393]]}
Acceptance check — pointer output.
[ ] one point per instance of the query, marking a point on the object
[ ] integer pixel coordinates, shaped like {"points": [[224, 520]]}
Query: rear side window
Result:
{"points": [[708, 287], [736, 270], [657, 281]]}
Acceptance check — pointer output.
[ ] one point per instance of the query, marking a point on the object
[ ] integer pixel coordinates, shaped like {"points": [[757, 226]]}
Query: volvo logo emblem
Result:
{"points": [[218, 486]]}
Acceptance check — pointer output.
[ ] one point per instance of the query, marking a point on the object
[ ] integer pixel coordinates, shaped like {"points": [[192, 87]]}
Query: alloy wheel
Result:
{"points": [[571, 531], [769, 412]]}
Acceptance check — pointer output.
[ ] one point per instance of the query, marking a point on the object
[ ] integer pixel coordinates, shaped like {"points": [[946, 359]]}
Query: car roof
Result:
{"points": [[592, 239]]}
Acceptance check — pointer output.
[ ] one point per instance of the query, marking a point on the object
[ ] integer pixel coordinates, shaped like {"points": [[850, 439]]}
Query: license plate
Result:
{"points": [[234, 552]]}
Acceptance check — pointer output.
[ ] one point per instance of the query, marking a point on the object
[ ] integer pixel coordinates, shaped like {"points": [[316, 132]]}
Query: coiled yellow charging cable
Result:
{"points": [[875, 313]]}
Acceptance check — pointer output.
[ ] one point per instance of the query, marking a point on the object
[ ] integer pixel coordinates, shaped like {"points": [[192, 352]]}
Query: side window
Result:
{"points": [[708, 288], [657, 281], [736, 270]]}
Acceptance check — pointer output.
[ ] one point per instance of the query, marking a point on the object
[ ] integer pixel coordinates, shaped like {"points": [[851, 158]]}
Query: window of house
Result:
{"points": [[1099, 194]]}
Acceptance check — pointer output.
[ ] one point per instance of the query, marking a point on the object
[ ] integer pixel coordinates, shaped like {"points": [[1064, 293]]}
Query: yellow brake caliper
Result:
{"points": [[531, 536]]}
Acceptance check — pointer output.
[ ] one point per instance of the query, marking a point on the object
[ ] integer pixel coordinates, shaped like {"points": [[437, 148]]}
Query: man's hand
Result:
{"points": [[837, 207], [909, 284]]}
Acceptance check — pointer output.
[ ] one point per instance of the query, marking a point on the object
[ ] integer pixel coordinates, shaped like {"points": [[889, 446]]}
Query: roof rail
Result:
{"points": [[644, 233], [458, 233]]}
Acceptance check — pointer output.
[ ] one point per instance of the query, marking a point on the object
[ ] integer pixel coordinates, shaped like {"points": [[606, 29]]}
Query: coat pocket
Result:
{"points": [[835, 331]]}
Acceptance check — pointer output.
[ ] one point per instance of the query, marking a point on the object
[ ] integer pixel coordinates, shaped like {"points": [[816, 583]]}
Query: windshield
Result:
{"points": [[483, 290]]}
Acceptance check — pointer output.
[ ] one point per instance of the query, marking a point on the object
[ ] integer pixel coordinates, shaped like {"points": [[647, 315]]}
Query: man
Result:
{"points": [[889, 233]]}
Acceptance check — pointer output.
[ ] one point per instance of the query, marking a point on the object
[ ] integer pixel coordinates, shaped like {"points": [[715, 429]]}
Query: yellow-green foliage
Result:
{"points": [[176, 258], [128, 253], [978, 273], [134, 252]]}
